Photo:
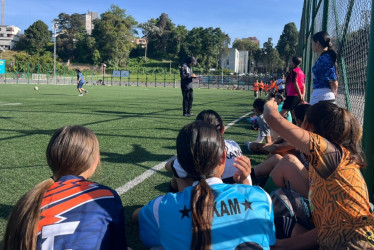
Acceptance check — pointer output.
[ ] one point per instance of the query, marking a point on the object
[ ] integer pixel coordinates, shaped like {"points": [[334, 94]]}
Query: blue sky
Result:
{"points": [[238, 18]]}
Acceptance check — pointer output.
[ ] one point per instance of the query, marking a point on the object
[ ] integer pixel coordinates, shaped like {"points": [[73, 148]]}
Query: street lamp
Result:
{"points": [[104, 65], [54, 27]]}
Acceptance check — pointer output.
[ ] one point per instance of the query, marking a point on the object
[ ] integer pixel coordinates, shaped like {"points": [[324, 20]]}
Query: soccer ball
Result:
{"points": [[36, 88]]}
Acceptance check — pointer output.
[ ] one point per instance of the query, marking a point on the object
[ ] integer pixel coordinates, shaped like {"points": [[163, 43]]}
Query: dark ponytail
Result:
{"points": [[199, 148], [324, 39]]}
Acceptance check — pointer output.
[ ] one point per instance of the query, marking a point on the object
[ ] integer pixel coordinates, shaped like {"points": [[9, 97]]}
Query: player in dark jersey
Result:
{"points": [[67, 211]]}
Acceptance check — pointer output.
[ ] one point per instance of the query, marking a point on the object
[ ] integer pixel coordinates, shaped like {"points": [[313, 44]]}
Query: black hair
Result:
{"points": [[259, 104], [338, 126], [300, 111], [324, 39], [200, 148], [279, 96], [211, 117], [190, 59], [296, 60]]}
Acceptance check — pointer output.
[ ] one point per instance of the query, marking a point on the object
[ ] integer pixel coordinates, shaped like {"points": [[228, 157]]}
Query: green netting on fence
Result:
{"points": [[348, 23]]}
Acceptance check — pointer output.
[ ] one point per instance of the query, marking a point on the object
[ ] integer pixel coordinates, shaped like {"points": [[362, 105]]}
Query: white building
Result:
{"points": [[88, 21], [9, 36], [236, 61]]}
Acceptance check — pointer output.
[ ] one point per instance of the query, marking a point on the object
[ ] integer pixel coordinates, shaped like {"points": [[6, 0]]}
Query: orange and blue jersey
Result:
{"points": [[79, 214]]}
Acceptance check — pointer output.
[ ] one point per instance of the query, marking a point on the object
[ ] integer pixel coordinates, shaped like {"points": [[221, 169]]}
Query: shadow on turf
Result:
{"points": [[137, 156], [14, 167], [132, 228], [5, 211]]}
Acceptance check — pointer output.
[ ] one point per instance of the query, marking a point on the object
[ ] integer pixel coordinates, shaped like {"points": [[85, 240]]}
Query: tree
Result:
{"points": [[35, 38], [206, 45], [69, 28], [271, 57], [287, 43], [163, 37], [114, 35]]}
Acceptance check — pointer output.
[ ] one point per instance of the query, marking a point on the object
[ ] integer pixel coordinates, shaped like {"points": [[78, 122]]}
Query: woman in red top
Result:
{"points": [[294, 86]]}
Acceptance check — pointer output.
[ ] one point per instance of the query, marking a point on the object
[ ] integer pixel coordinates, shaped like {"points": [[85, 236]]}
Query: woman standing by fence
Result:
{"points": [[325, 84]]}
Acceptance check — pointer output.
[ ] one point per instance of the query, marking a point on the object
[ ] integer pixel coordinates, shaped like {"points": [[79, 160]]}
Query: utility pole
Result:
{"points": [[2, 12], [54, 26]]}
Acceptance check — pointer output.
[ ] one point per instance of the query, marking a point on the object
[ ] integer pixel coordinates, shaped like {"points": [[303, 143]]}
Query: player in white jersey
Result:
{"points": [[181, 180]]}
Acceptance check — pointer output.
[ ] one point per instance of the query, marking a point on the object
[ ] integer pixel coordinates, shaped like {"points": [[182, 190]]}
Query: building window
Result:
{"points": [[228, 62], [10, 35]]}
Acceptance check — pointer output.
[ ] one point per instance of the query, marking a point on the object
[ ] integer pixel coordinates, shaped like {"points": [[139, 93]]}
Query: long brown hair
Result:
{"points": [[71, 151], [338, 126], [200, 147]]}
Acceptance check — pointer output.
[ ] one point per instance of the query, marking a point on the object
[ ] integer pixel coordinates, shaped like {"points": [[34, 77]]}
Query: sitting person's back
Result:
{"points": [[67, 211]]}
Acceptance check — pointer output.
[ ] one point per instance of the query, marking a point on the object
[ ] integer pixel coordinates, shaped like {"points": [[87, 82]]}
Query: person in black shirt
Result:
{"points": [[186, 85]]}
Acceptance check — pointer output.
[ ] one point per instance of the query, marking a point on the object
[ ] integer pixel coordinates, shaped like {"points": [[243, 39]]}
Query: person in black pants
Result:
{"points": [[186, 85]]}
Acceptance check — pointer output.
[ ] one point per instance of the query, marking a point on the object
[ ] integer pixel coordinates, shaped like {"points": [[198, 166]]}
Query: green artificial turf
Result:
{"points": [[136, 128]]}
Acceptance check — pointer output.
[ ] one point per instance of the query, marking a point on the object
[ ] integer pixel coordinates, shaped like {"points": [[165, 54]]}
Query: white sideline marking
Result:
{"points": [[10, 104], [129, 185]]}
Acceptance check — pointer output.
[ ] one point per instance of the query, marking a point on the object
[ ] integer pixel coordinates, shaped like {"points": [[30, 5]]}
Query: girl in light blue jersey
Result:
{"points": [[209, 214]]}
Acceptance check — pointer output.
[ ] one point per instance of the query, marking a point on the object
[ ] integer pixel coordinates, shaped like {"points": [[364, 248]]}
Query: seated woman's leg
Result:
{"points": [[267, 166], [292, 170]]}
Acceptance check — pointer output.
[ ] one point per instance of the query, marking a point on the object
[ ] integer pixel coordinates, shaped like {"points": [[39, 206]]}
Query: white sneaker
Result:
{"points": [[81, 94], [248, 143]]}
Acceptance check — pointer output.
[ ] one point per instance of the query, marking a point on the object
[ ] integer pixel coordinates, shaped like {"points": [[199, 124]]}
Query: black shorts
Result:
{"points": [[291, 102]]}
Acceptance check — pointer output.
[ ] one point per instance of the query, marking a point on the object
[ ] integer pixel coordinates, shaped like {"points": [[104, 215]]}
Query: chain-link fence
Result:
{"points": [[348, 23], [37, 75]]}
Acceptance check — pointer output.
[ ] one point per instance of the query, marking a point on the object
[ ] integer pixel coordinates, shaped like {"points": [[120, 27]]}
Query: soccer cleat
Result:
{"points": [[187, 115], [80, 94], [191, 114], [86, 92]]}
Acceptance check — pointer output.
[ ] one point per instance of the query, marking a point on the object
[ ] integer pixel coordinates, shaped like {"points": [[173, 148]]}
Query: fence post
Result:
{"points": [[310, 52], [164, 79], [38, 73], [155, 79], [137, 78], [47, 73], [17, 71], [325, 19], [28, 72], [368, 133], [340, 57], [174, 80]]}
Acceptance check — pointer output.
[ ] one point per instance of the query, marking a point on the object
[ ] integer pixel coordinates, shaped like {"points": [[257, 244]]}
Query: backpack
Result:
{"points": [[290, 208]]}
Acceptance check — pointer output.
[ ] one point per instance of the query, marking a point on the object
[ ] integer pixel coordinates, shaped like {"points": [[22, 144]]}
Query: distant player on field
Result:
{"points": [[80, 82]]}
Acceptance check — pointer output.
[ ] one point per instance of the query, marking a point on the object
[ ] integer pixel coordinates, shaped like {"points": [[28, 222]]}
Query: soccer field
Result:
{"points": [[136, 128]]}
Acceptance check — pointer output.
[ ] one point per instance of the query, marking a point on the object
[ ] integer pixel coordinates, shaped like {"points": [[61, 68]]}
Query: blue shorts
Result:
{"points": [[80, 85]]}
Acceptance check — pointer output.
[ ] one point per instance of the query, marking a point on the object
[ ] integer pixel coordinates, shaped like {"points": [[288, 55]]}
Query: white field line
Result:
{"points": [[139, 179], [9, 104]]}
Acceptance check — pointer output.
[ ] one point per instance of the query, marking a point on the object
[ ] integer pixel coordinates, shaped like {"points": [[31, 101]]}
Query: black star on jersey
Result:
{"points": [[184, 212], [247, 205]]}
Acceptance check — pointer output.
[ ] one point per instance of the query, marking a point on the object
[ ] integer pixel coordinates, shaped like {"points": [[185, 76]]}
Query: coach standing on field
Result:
{"points": [[186, 85]]}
